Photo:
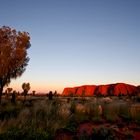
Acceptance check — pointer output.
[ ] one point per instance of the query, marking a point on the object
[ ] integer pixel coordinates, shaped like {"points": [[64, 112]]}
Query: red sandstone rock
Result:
{"points": [[103, 89], [124, 89], [69, 91], [81, 91], [86, 90], [90, 90]]}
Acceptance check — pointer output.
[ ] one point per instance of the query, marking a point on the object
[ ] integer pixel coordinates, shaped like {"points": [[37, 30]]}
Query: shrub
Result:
{"points": [[72, 125], [111, 112], [9, 111], [15, 133], [135, 113], [124, 112], [103, 134]]}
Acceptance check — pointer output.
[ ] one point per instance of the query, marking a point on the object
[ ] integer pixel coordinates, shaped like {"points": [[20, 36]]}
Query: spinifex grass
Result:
{"points": [[110, 112], [43, 117]]}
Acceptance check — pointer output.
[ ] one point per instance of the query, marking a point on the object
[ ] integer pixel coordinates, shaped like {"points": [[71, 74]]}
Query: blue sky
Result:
{"points": [[77, 42]]}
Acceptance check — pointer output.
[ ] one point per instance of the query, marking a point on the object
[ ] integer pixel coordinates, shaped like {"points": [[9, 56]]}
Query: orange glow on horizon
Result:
{"points": [[45, 87], [37, 87]]}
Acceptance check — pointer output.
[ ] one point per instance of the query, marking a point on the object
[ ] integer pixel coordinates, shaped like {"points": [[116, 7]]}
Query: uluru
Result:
{"points": [[105, 90]]}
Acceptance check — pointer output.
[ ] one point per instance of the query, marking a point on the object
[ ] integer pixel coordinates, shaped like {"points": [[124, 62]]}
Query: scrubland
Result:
{"points": [[70, 118]]}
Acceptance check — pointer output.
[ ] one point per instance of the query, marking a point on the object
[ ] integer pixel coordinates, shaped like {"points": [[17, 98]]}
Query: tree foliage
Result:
{"points": [[13, 54], [9, 90], [26, 87]]}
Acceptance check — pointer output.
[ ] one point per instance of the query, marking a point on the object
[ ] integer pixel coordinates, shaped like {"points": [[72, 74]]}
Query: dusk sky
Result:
{"points": [[77, 42]]}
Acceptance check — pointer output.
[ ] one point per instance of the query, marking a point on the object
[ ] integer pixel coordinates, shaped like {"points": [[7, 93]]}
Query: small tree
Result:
{"points": [[33, 92], [13, 99], [9, 90], [13, 55], [50, 95], [55, 93], [26, 88]]}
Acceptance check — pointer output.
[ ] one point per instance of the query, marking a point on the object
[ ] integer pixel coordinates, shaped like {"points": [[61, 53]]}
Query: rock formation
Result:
{"points": [[106, 90]]}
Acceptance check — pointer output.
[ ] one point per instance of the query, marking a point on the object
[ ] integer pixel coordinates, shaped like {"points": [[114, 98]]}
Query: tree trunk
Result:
{"points": [[1, 90], [25, 93], [24, 98]]}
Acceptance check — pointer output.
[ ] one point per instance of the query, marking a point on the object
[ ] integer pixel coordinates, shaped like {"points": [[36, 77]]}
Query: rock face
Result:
{"points": [[110, 89]]}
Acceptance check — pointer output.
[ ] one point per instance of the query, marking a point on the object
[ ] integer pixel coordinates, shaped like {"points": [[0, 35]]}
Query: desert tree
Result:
{"points": [[26, 87], [33, 92], [13, 99], [13, 55], [50, 95], [55, 93], [9, 90]]}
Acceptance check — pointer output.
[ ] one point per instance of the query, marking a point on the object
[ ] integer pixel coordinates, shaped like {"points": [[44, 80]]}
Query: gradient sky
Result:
{"points": [[77, 42]]}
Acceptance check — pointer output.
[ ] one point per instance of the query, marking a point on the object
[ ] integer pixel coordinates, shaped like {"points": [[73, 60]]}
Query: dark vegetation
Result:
{"points": [[69, 118]]}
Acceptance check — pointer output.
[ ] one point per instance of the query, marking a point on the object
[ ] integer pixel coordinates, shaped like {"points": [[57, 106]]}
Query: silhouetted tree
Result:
{"points": [[13, 55], [8, 93], [13, 99], [26, 88], [9, 90], [50, 95], [55, 93], [33, 92]]}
